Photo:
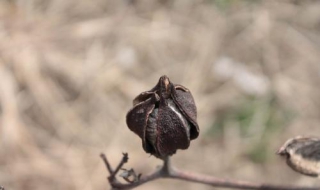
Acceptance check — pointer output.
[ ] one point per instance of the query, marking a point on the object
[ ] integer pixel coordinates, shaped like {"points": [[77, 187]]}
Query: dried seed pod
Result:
{"points": [[165, 118], [302, 155]]}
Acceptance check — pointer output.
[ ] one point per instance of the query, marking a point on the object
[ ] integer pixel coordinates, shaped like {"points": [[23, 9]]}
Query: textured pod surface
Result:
{"points": [[165, 118], [302, 155]]}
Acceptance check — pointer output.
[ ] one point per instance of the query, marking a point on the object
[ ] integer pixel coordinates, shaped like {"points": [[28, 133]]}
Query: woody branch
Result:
{"points": [[168, 171]]}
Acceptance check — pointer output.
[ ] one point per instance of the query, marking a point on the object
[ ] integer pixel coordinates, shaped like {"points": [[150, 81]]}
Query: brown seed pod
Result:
{"points": [[302, 155], [165, 118]]}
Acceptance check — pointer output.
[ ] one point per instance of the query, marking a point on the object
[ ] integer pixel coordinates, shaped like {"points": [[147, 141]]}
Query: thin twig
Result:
{"points": [[218, 182], [124, 160], [168, 171], [106, 163]]}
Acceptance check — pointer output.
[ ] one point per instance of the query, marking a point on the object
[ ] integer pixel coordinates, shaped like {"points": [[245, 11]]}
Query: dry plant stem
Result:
{"points": [[106, 163], [168, 171], [218, 182]]}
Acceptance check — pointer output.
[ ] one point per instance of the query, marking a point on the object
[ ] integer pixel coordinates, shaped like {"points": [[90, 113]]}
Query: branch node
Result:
{"points": [[130, 175]]}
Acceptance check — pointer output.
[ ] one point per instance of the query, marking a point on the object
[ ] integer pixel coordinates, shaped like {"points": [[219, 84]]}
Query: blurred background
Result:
{"points": [[69, 71]]}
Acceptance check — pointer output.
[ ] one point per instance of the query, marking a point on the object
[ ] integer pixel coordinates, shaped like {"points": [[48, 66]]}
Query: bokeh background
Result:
{"points": [[70, 69]]}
